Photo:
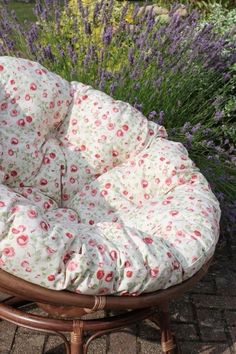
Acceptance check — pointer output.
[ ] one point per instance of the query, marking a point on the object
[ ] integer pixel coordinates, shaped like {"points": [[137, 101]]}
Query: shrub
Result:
{"points": [[179, 73]]}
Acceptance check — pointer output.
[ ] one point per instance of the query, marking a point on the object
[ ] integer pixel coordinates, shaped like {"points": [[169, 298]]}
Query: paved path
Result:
{"points": [[204, 321]]}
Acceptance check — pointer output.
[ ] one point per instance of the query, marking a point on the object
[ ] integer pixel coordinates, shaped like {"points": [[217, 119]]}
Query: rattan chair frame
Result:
{"points": [[65, 311]]}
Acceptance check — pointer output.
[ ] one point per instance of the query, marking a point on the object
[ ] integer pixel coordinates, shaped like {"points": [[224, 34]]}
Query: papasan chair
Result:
{"points": [[98, 209]]}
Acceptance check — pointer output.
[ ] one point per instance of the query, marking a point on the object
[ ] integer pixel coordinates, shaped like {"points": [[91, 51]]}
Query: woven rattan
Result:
{"points": [[63, 309]]}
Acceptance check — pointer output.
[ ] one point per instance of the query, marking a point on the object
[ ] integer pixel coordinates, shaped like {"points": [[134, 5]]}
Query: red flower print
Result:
{"points": [[175, 265], [179, 233], [44, 226], [127, 264], [101, 248], [119, 133], [181, 180], [46, 160], [154, 272], [82, 147], [115, 110], [144, 183], [98, 122], [73, 168], [125, 127], [8, 251], [50, 250], [27, 97], [197, 233], [109, 277], [129, 274], [2, 204], [24, 264], [84, 97], [69, 235], [102, 291], [14, 141], [148, 240], [113, 255], [150, 132], [72, 266], [174, 212], [103, 193], [14, 209], [22, 228], [91, 222], [22, 240], [43, 182], [51, 277], [28, 119], [15, 231], [115, 153], [168, 181], [108, 185], [110, 126], [13, 173], [65, 196], [100, 274], [14, 113], [28, 269], [46, 205], [1, 68], [33, 87], [94, 192], [52, 155], [4, 106], [21, 122], [92, 243]]}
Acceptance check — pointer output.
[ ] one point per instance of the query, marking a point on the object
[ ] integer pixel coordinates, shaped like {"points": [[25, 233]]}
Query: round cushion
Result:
{"points": [[93, 197]]}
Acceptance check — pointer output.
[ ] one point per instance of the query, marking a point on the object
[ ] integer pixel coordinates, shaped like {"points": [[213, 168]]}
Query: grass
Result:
{"points": [[23, 11]]}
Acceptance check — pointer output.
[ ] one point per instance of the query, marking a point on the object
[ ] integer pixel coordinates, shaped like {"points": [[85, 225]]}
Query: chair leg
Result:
{"points": [[76, 342], [168, 344]]}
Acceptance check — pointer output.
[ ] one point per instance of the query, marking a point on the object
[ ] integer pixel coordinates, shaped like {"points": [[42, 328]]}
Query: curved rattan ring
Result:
{"points": [[28, 291], [65, 303]]}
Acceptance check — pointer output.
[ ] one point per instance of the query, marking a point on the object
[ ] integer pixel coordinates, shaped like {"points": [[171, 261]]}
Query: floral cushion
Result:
{"points": [[94, 198]]}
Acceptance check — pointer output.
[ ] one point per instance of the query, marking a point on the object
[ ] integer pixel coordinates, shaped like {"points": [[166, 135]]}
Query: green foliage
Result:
{"points": [[224, 20], [202, 5], [24, 12]]}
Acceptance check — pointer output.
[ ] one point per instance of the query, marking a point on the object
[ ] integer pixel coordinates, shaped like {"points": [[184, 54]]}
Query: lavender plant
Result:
{"points": [[177, 73]]}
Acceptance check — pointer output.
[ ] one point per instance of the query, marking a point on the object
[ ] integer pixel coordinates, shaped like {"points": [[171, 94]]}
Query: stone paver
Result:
{"points": [[204, 321]]}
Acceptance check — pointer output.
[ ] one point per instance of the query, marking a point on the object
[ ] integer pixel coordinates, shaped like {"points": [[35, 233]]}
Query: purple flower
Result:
{"points": [[196, 127], [107, 35], [161, 118], [218, 116], [152, 115]]}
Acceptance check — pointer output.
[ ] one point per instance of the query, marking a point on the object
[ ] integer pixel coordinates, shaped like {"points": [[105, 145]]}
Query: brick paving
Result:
{"points": [[204, 321]]}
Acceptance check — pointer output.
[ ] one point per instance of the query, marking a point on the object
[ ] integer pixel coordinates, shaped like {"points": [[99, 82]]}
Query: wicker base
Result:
{"points": [[69, 316], [10, 311]]}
